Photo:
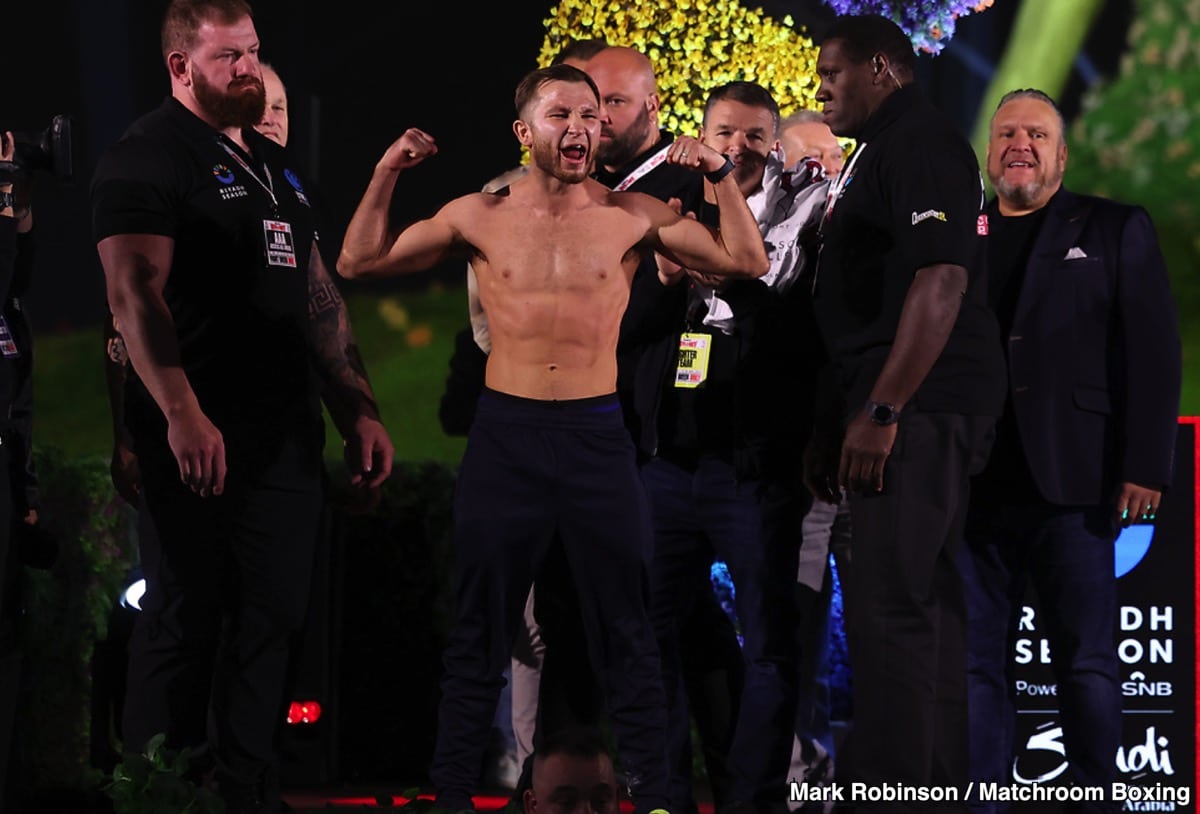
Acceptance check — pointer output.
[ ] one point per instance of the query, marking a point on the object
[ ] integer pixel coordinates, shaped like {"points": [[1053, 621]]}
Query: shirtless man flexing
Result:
{"points": [[548, 452]]}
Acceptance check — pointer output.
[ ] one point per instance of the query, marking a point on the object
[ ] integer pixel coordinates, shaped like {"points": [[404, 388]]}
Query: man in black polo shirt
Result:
{"points": [[915, 382], [235, 332]]}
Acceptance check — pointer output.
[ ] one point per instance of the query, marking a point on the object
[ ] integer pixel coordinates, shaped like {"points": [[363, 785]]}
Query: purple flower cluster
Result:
{"points": [[928, 23]]}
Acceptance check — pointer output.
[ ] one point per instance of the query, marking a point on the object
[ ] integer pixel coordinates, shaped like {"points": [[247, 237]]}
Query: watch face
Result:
{"points": [[882, 413]]}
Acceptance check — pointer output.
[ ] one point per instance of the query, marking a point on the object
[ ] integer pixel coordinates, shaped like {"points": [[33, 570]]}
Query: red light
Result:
{"points": [[304, 712]]}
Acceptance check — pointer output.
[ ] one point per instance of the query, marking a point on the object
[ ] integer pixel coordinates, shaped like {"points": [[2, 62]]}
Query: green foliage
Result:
{"points": [[67, 613], [1138, 139], [156, 782], [397, 606]]}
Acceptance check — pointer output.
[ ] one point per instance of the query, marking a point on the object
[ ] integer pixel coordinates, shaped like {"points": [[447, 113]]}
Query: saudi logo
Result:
{"points": [[222, 174]]}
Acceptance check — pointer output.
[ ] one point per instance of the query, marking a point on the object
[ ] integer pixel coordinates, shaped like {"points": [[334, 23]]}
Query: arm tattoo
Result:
{"points": [[344, 385]]}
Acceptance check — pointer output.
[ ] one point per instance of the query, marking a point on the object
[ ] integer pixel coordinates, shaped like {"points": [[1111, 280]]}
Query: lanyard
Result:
{"points": [[268, 185], [647, 165], [835, 192], [839, 185]]}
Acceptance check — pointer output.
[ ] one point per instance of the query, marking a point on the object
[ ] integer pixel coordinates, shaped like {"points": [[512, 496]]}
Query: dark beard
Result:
{"points": [[236, 107], [545, 156], [622, 149]]}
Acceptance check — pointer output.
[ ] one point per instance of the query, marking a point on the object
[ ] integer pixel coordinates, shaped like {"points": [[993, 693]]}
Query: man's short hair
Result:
{"points": [[865, 35], [805, 116], [183, 19], [576, 741], [751, 94], [533, 81], [580, 50]]}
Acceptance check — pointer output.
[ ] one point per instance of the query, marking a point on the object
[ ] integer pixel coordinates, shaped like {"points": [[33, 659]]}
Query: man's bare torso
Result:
{"points": [[554, 274]]}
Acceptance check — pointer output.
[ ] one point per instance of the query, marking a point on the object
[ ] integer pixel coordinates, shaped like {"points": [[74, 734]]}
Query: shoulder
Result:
{"points": [[471, 204], [148, 151], [1104, 215]]}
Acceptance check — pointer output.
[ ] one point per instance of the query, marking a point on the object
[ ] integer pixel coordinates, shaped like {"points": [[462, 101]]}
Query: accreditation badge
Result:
{"points": [[691, 368], [8, 348], [281, 246]]}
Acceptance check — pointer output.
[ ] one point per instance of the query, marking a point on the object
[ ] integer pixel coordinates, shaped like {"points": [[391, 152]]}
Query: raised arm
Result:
{"points": [[345, 388], [370, 248], [736, 248], [136, 268]]}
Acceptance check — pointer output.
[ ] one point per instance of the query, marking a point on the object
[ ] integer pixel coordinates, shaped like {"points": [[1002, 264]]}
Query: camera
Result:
{"points": [[49, 150]]}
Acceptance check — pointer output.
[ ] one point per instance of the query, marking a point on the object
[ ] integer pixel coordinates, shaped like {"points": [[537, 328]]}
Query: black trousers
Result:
{"points": [[227, 585], [907, 618], [533, 470]]}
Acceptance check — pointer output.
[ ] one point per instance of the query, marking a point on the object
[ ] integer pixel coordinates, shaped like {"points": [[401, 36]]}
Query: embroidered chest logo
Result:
{"points": [[228, 190], [222, 174], [917, 217], [295, 182]]}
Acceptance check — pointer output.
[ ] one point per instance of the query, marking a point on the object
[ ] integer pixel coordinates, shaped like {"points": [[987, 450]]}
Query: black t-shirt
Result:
{"points": [[700, 421], [910, 199], [1010, 242], [240, 311], [654, 310]]}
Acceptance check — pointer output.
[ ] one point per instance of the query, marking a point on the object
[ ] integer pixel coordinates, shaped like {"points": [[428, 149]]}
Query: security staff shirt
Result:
{"points": [[910, 199], [237, 289]]}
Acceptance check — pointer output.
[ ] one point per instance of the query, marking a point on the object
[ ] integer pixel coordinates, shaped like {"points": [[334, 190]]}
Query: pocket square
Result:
{"points": [[1075, 253]]}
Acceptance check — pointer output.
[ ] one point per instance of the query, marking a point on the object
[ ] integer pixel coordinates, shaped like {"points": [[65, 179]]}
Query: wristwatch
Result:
{"points": [[6, 200], [882, 413]]}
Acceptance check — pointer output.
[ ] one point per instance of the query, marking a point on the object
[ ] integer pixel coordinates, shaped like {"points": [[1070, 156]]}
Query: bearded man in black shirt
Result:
{"points": [[235, 332]]}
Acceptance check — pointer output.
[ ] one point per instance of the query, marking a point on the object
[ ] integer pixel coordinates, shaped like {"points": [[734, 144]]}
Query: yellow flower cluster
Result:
{"points": [[695, 45]]}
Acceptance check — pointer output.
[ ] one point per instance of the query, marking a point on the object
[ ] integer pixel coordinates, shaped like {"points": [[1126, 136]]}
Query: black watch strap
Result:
{"points": [[6, 200], [882, 413], [716, 175]]}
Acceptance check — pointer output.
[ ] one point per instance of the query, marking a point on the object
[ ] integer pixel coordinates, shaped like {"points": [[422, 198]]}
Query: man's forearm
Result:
{"points": [[739, 232], [926, 320], [345, 387], [116, 362]]}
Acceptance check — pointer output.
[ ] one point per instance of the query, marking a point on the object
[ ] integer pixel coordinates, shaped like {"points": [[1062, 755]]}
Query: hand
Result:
{"points": [[1134, 502], [694, 154], [8, 146], [408, 151], [864, 452], [126, 474], [820, 466], [369, 453], [199, 449]]}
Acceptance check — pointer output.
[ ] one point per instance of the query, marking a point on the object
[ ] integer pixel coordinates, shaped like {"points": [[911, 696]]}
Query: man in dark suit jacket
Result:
{"points": [[1086, 442]]}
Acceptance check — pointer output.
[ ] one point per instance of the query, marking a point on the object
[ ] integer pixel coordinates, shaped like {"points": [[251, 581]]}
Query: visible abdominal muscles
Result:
{"points": [[555, 345]]}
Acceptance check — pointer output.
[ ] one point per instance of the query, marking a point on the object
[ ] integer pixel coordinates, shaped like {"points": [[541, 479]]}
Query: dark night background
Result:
{"points": [[358, 73]]}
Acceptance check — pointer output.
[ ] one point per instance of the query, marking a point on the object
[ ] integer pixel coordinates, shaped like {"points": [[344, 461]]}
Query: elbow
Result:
{"points": [[350, 268], [759, 267]]}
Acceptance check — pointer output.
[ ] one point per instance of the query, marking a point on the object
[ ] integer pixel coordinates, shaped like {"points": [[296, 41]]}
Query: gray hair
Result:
{"points": [[1041, 96]]}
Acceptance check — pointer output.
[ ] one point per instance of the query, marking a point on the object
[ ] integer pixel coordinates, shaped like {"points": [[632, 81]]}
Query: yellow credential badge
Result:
{"points": [[691, 369]]}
